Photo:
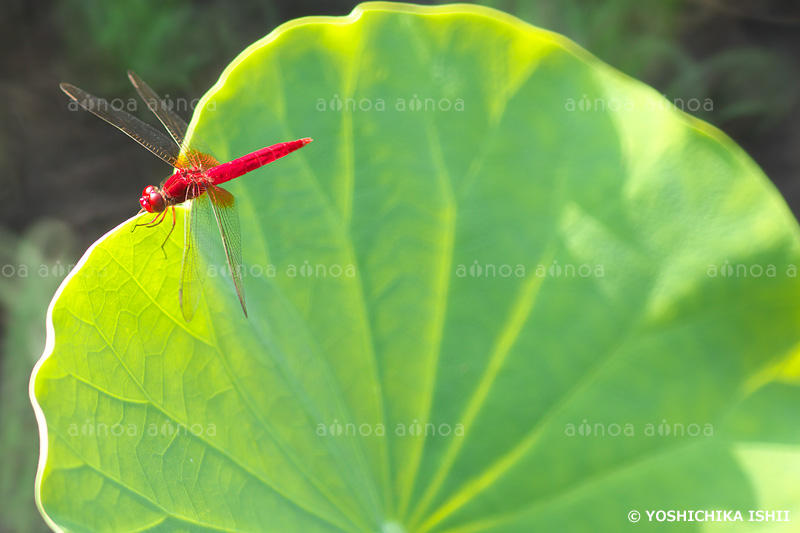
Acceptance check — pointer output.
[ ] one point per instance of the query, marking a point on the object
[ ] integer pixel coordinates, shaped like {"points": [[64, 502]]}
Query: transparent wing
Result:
{"points": [[196, 152], [197, 230], [227, 216], [146, 135]]}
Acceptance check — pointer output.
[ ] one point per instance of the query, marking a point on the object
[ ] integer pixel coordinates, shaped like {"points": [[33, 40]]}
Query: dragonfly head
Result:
{"points": [[153, 200]]}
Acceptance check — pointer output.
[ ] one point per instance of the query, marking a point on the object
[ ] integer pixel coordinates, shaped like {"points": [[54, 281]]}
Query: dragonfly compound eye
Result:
{"points": [[152, 200]]}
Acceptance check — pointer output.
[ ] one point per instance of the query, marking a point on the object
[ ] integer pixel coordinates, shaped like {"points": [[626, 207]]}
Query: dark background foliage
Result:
{"points": [[67, 178]]}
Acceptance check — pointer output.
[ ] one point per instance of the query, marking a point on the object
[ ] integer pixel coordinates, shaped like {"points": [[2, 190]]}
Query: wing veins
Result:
{"points": [[141, 132]]}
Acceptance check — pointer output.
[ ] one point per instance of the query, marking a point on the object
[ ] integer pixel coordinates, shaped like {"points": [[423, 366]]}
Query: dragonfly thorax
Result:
{"points": [[153, 200]]}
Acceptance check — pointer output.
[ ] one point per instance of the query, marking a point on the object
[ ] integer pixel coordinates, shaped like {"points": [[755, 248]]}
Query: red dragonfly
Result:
{"points": [[196, 178]]}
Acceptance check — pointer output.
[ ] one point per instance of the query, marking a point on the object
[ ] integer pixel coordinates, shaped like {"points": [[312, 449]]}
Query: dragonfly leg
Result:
{"points": [[156, 221], [151, 223], [170, 232], [142, 223]]}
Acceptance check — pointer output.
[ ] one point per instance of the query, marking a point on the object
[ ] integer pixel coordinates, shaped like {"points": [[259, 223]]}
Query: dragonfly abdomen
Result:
{"points": [[259, 158]]}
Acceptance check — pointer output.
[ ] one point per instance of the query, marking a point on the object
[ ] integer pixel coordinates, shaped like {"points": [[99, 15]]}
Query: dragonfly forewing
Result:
{"points": [[144, 134], [195, 153]]}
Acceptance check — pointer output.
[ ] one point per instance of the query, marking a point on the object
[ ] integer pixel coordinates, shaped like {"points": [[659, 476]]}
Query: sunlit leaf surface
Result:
{"points": [[506, 289]]}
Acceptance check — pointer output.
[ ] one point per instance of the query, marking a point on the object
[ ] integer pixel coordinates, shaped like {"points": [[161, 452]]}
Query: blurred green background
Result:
{"points": [[67, 178]]}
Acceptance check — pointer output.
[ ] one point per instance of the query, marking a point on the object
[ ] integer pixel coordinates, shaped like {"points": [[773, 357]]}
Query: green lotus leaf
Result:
{"points": [[507, 288]]}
